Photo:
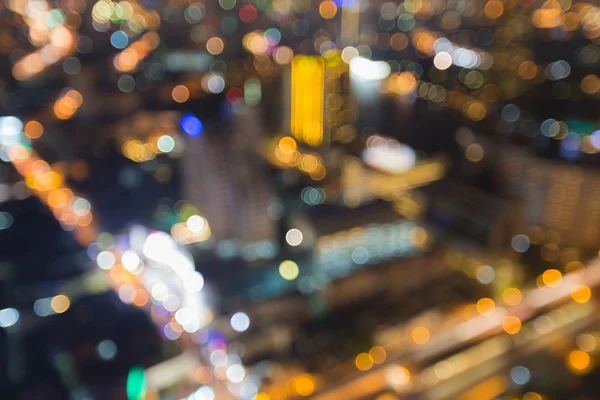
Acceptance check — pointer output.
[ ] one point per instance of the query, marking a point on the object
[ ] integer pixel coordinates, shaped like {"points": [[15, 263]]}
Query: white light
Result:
{"points": [[369, 70], [558, 70], [130, 260], [240, 322], [171, 303], [349, 53], [294, 237], [443, 44], [194, 282], [126, 293], [196, 224], [204, 393], [218, 358], [390, 158], [105, 260], [192, 325], [10, 130], [8, 317], [81, 206], [442, 60], [165, 143], [235, 373], [183, 316], [216, 84], [465, 58], [159, 291], [159, 247], [397, 376]]}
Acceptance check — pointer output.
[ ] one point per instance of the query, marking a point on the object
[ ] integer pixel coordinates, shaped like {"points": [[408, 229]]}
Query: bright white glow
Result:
{"points": [[459, 56], [204, 393], [394, 158], [369, 70], [159, 247], [294, 237], [397, 376], [10, 130], [192, 325], [165, 143], [196, 223], [159, 291], [183, 316], [194, 282], [105, 260], [8, 317], [130, 260], [465, 58], [235, 373], [240, 322], [442, 60]]}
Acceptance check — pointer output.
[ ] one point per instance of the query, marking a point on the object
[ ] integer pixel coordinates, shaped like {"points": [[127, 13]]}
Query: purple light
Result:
{"points": [[595, 139]]}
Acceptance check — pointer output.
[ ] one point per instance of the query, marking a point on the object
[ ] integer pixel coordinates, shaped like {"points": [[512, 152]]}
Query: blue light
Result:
{"points": [[520, 375], [345, 3], [191, 125], [119, 39]]}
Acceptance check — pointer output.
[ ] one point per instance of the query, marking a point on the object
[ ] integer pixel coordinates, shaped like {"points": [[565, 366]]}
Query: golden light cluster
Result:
{"points": [[584, 16], [67, 105], [157, 143], [285, 153], [128, 59], [49, 185], [61, 45], [196, 229], [50, 30], [129, 12]]}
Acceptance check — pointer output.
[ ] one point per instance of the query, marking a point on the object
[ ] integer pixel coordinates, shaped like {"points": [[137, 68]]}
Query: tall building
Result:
{"points": [[225, 178]]}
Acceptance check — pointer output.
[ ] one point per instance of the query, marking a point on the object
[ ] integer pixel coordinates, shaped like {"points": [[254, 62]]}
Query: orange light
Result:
{"points": [[180, 93], [582, 294], [215, 45], [552, 278], [304, 385], [140, 298], [327, 9], [511, 324], [420, 335], [378, 354], [33, 129], [512, 296], [578, 361], [60, 303], [486, 306], [363, 362], [493, 9]]}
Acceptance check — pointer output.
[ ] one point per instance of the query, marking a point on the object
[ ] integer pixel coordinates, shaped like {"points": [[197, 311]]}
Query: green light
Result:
{"points": [[252, 92], [136, 383]]}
